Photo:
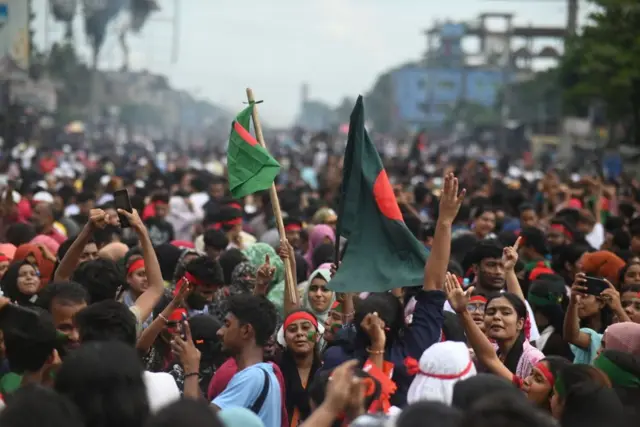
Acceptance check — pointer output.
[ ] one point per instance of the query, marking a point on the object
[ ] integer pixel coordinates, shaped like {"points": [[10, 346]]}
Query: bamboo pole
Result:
{"points": [[275, 203]]}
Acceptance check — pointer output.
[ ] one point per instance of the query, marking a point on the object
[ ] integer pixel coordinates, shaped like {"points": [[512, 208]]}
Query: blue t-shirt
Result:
{"points": [[245, 387]]}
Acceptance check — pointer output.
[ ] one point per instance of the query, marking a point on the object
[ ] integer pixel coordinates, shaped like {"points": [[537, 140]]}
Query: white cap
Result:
{"points": [[43, 197]]}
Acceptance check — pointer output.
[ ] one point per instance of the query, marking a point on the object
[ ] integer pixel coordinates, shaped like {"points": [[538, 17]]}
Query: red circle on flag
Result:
{"points": [[385, 198]]}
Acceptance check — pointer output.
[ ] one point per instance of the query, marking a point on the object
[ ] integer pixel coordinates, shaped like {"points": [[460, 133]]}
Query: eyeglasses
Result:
{"points": [[472, 308]]}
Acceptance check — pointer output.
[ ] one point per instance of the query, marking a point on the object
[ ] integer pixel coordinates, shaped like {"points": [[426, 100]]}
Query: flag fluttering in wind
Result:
{"points": [[250, 167], [381, 252]]}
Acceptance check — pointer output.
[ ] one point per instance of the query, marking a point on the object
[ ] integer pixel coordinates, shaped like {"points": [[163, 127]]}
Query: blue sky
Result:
{"points": [[337, 46]]}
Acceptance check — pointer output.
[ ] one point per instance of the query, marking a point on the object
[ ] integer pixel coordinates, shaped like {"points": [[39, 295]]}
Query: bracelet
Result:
{"points": [[163, 318], [374, 352], [191, 374]]}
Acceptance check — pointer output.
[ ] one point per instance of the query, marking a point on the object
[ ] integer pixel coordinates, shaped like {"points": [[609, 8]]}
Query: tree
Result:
{"points": [[603, 64]]}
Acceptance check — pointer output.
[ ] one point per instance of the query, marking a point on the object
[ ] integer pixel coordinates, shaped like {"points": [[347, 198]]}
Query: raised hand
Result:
{"points": [[450, 200], [340, 386], [264, 276], [612, 297], [134, 220], [99, 219], [510, 255], [578, 288], [186, 350], [456, 296], [374, 326]]}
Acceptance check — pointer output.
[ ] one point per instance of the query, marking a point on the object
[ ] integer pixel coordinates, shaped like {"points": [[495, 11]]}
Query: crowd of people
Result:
{"points": [[177, 311]]}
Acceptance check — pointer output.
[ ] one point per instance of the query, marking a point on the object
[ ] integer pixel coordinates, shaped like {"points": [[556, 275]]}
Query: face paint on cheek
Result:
{"points": [[311, 336]]}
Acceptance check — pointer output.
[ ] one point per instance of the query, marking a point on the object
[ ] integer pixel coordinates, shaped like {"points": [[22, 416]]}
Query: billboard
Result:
{"points": [[14, 32]]}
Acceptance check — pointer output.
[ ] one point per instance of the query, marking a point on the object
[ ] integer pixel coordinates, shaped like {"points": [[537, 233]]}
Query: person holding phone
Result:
{"points": [[591, 307]]}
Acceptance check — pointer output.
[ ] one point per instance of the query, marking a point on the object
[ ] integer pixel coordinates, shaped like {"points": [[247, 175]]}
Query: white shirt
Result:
{"points": [[596, 237], [198, 200], [162, 390]]}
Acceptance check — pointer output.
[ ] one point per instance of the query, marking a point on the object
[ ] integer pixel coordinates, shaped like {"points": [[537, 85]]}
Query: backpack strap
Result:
{"points": [[257, 405]]}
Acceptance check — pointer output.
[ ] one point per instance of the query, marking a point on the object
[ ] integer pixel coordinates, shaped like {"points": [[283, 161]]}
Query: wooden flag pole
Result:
{"points": [[275, 203]]}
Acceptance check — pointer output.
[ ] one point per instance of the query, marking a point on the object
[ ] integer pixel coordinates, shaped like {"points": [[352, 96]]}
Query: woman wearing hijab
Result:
{"points": [[317, 297], [624, 336], [21, 283], [242, 281], [440, 367], [320, 234], [256, 254], [39, 257], [299, 335]]}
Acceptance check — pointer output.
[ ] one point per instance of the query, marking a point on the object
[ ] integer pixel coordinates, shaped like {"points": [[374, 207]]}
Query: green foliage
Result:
{"points": [[603, 64]]}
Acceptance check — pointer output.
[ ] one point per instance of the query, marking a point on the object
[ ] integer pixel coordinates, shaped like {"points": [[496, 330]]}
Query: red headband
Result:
{"points": [[177, 315], [235, 206], [219, 225], [4, 258], [413, 368], [190, 278], [300, 315], [135, 265], [561, 228], [478, 298], [546, 373], [292, 227]]}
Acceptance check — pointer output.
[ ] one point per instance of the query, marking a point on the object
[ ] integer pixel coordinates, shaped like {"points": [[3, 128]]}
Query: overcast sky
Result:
{"points": [[337, 46]]}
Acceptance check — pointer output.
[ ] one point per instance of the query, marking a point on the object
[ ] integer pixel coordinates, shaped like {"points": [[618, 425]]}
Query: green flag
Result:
{"points": [[381, 252], [249, 166]]}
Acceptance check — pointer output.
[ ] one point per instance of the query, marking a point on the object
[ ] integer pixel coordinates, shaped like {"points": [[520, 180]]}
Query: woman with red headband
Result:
{"points": [[537, 381], [137, 283], [299, 335]]}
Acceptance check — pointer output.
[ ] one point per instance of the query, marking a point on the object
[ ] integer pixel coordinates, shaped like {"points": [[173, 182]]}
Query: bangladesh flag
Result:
{"points": [[250, 167], [381, 253]]}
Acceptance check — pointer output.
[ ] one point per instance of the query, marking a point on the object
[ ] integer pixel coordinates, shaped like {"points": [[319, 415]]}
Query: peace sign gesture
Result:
{"points": [[450, 200]]}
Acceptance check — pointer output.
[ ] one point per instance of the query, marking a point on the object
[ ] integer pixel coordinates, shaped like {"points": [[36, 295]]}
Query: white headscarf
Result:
{"points": [[450, 359]]}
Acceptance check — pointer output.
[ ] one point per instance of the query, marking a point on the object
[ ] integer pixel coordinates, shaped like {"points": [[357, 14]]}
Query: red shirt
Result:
{"points": [[56, 235], [228, 369]]}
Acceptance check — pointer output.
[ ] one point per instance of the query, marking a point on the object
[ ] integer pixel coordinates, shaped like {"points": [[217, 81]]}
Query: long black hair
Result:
{"points": [[515, 353], [297, 396]]}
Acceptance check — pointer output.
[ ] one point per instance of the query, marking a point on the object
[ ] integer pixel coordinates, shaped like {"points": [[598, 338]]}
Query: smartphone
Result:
{"points": [[121, 201], [595, 285], [15, 318]]}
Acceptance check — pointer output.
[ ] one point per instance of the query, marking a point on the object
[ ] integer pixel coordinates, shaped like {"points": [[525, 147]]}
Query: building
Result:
{"points": [[427, 92]]}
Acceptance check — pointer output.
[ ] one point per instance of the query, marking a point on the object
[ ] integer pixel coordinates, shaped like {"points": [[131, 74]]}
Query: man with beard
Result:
{"points": [[487, 265], [205, 276]]}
